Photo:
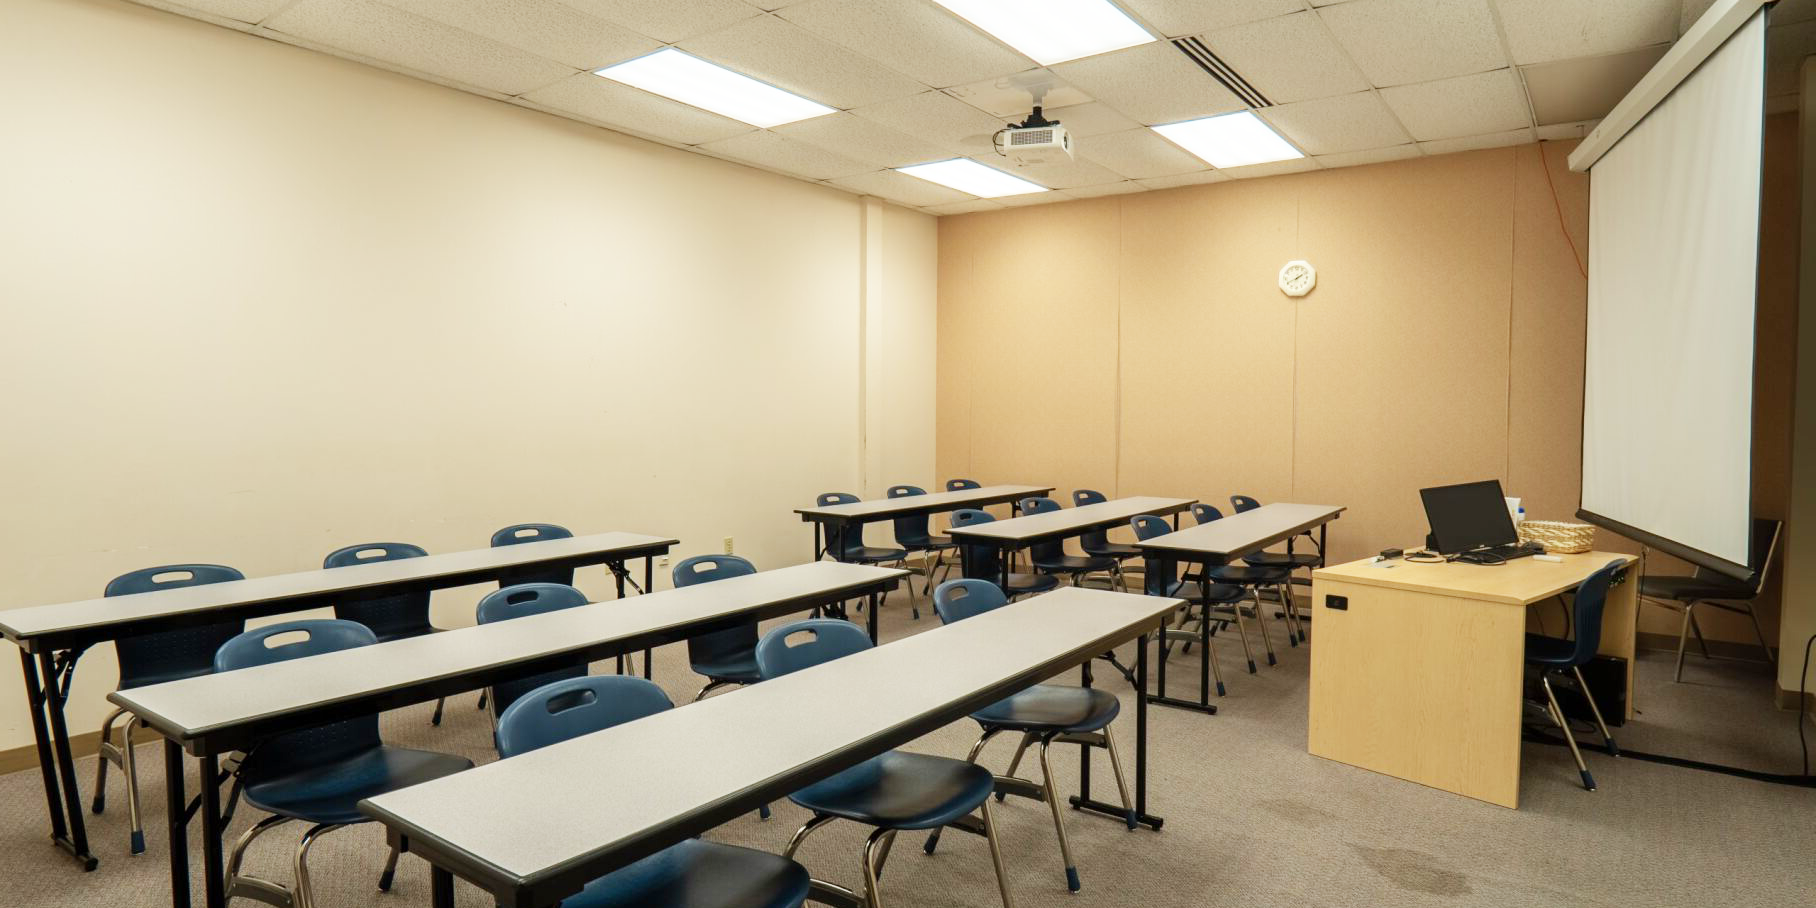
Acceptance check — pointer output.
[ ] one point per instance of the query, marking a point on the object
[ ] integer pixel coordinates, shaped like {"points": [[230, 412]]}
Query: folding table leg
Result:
{"points": [[176, 808], [53, 699], [441, 888], [214, 832], [1083, 800]]}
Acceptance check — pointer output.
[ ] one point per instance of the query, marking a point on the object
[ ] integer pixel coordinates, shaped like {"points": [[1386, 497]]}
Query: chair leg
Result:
{"points": [[390, 872], [1015, 762], [1596, 710], [1267, 640], [439, 703], [711, 686], [800, 837], [1284, 591], [132, 786], [1242, 629], [996, 854], [1683, 637], [305, 892], [104, 753], [933, 838], [1122, 784], [1059, 823], [235, 857], [1702, 643], [1761, 634], [874, 847], [482, 697], [1557, 715]]}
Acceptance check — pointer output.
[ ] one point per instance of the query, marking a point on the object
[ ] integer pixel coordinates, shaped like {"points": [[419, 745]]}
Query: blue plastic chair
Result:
{"points": [[1050, 557], [1218, 602], [521, 601], [692, 874], [962, 485], [153, 659], [981, 562], [1254, 578], [394, 617], [318, 775], [913, 534], [1552, 655], [891, 792], [847, 544], [1291, 561], [1097, 542], [533, 532], [729, 656], [1044, 713]]}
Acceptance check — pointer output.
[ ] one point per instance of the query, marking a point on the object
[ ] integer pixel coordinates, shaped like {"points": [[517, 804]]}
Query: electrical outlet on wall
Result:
{"points": [[728, 545], [662, 562]]}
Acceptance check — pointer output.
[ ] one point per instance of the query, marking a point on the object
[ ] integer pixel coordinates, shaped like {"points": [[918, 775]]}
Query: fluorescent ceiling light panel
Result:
{"points": [[686, 78], [1230, 140], [966, 175], [1053, 31]]}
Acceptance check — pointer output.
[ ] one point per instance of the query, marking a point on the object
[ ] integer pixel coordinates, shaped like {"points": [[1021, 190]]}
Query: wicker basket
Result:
{"points": [[1557, 537]]}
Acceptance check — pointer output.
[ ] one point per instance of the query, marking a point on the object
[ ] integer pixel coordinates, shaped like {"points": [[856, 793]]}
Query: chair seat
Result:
{"points": [[696, 874], [1114, 550], [737, 668], [330, 793], [1219, 593], [928, 544], [1075, 564], [1237, 573], [1048, 707], [405, 633], [1545, 650], [163, 675], [901, 790], [1020, 584], [870, 554], [1294, 561], [1685, 588]]}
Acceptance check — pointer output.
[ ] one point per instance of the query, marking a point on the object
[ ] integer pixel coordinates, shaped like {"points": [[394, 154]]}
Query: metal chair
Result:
{"points": [[1050, 557], [1255, 579], [913, 534], [847, 545], [1045, 713], [533, 532], [316, 775], [961, 485], [153, 659], [1551, 655], [1292, 561], [726, 657], [1705, 587], [894, 791], [393, 617], [979, 562], [1097, 542], [1220, 602], [692, 874], [520, 601]]}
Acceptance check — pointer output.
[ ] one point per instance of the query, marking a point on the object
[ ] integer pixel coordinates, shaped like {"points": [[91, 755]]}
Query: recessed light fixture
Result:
{"points": [[686, 78], [966, 175], [1231, 140], [1053, 31]]}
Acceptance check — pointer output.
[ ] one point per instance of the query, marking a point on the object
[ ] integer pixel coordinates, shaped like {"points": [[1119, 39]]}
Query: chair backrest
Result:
{"points": [[567, 709], [1243, 503], [280, 754], [1148, 526], [956, 600], [804, 644], [1158, 578], [850, 536], [911, 529], [1052, 548], [184, 652], [521, 601], [1038, 505], [1204, 513], [733, 641], [1591, 596], [1095, 539], [390, 617], [975, 561], [1764, 547], [960, 485], [532, 532]]}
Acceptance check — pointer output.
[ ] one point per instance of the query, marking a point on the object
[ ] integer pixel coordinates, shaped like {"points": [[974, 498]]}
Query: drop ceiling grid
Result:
{"points": [[915, 82]]}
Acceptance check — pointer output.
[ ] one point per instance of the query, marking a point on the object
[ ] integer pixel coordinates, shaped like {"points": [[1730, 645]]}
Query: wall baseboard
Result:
{"points": [[22, 758], [1724, 649], [1787, 700]]}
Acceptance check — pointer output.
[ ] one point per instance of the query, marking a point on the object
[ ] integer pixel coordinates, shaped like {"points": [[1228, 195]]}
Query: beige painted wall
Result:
{"points": [[1138, 344], [262, 302]]}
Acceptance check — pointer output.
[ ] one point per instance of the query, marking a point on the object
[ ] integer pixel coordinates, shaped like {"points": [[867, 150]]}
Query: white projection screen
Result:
{"points": [[1673, 260]]}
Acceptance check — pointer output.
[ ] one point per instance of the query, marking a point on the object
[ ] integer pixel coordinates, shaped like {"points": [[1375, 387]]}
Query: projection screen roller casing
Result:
{"points": [[1673, 259]]}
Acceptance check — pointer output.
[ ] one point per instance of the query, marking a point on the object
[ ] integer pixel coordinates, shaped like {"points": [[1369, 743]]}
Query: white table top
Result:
{"points": [[196, 707], [1244, 533], [580, 801], [98, 614], [1068, 521], [881, 508]]}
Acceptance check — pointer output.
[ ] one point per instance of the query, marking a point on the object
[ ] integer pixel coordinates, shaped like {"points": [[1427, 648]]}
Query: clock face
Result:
{"points": [[1297, 278]]}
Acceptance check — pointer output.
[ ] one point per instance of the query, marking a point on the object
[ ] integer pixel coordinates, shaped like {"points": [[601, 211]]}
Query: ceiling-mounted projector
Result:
{"points": [[1035, 140]]}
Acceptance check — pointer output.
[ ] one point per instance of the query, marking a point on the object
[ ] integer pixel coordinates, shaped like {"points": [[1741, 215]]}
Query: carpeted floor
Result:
{"points": [[1251, 819]]}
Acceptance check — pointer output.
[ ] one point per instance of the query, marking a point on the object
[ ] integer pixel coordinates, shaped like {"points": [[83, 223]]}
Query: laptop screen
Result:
{"points": [[1468, 516]]}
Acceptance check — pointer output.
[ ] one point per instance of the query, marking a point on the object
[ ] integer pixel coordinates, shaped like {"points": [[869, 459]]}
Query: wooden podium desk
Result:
{"points": [[1418, 675]]}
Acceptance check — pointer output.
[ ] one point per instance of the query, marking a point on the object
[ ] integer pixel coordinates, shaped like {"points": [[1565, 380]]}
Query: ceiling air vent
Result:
{"points": [[1195, 49]]}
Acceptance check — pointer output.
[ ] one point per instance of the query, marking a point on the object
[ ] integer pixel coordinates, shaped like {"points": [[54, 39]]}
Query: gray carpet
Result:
{"points": [[1252, 820]]}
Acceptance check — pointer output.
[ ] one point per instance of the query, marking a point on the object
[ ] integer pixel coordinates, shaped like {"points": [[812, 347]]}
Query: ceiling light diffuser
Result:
{"points": [[686, 78], [1053, 31], [1230, 140], [966, 175]]}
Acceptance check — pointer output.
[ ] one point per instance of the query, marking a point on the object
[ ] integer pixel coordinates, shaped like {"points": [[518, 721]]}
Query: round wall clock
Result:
{"points": [[1297, 278]]}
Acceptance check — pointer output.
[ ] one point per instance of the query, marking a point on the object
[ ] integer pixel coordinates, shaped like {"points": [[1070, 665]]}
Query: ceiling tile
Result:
{"points": [[382, 33], [772, 5], [1474, 143], [1139, 154], [1057, 175], [1559, 131], [1345, 123], [964, 207], [1401, 41], [1290, 58], [1032, 198], [792, 58], [1542, 30], [1011, 97], [1153, 83], [863, 140], [542, 27], [1585, 88], [666, 20], [1371, 156], [238, 10], [901, 188], [1178, 18], [766, 149], [938, 118], [1117, 188], [1183, 179], [1274, 168], [1093, 119], [909, 36], [623, 107], [1464, 106]]}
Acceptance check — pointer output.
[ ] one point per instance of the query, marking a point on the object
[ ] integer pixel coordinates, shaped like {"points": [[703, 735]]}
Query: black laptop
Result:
{"points": [[1470, 519]]}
